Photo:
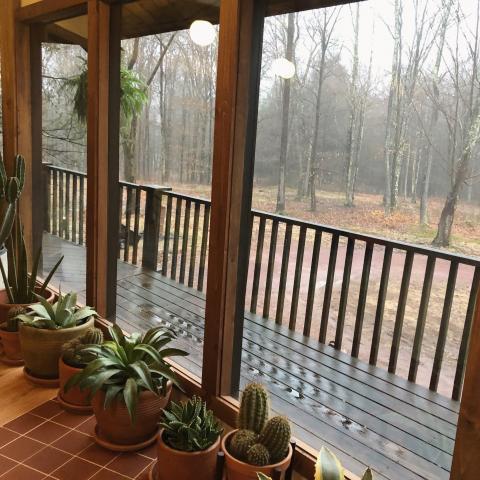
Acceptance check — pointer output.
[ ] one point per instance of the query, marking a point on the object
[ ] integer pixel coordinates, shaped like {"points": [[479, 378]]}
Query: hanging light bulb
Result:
{"points": [[202, 33], [283, 68]]}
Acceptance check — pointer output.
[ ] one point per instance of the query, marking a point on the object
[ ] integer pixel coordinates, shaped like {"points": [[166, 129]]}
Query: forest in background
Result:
{"points": [[381, 118]]}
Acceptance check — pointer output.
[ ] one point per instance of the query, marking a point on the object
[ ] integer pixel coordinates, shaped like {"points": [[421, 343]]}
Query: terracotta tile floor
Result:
{"points": [[48, 443]]}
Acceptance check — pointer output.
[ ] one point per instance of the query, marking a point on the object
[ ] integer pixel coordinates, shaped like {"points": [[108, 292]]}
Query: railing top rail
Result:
{"points": [[371, 238], [203, 201], [66, 170]]}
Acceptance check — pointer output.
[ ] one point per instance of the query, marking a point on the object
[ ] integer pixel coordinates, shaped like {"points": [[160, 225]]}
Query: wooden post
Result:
{"points": [[238, 78], [151, 236], [467, 443], [104, 22]]}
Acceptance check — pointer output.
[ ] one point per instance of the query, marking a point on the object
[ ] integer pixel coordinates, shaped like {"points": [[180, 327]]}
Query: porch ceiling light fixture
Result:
{"points": [[283, 68], [202, 33]]}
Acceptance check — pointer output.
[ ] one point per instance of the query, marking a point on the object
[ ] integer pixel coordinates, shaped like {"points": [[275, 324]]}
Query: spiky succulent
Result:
{"points": [[75, 351], [189, 426], [63, 314], [275, 437], [241, 442], [258, 455], [254, 408], [329, 466], [13, 323]]}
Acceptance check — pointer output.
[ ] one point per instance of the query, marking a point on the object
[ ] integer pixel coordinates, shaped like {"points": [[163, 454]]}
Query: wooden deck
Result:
{"points": [[366, 415]]}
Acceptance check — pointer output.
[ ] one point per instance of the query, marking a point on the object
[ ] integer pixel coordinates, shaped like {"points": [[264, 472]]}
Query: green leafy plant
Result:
{"points": [[63, 314], [75, 353], [259, 441], [189, 426], [328, 466], [128, 365]]}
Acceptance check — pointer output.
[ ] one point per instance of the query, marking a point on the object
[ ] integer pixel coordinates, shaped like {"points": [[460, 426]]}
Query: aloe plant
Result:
{"points": [[63, 314], [127, 365], [328, 466], [189, 426]]}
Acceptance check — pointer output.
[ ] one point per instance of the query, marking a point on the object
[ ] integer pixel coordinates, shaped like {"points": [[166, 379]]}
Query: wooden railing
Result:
{"points": [[349, 290]]}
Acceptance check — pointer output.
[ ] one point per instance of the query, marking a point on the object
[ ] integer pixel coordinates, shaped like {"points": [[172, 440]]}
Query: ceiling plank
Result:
{"points": [[49, 11]]}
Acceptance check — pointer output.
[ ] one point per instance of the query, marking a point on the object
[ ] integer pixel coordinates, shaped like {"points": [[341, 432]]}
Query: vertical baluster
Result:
{"points": [[297, 279], [186, 229], [49, 200], [81, 210], [382, 296], [136, 225], [283, 274], [74, 208], [402, 302], [128, 224], [467, 328], [203, 248], [176, 235], [55, 202], [444, 322], [270, 268], [342, 308], [422, 318], [193, 247], [327, 298], [120, 221], [67, 206], [312, 283], [258, 265], [362, 299], [166, 238], [61, 215]]}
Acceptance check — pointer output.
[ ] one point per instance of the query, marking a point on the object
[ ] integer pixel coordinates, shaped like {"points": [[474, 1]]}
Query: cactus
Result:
{"points": [[93, 336], [75, 352], [13, 323], [254, 408], [275, 437], [241, 442], [258, 455]]}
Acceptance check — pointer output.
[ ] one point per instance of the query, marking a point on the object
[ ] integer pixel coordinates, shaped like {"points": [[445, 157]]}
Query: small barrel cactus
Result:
{"points": [[93, 336], [275, 437], [254, 408], [258, 455], [75, 353], [13, 323], [241, 442]]}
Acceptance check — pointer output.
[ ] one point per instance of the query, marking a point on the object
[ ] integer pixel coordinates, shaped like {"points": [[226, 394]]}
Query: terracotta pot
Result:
{"points": [[5, 306], [11, 347], [42, 348], [74, 396], [238, 470], [186, 465], [114, 424]]}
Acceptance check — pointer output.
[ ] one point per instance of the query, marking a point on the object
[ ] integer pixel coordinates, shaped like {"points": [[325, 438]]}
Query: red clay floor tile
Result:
{"points": [[21, 472], [149, 452], [24, 423], [75, 469], [48, 432], [88, 427], [6, 464], [98, 455], [70, 419], [48, 460], [21, 449], [130, 464], [73, 442], [6, 436], [108, 475], [48, 409]]}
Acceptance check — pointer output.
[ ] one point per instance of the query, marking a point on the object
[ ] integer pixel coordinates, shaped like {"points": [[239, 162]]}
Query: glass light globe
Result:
{"points": [[202, 33], [283, 68]]}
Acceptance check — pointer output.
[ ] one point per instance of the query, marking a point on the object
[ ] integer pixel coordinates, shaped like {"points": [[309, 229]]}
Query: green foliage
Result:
{"points": [[262, 476], [241, 442], [275, 437], [258, 455], [254, 408], [328, 467], [129, 365], [189, 426], [63, 314], [75, 351], [368, 475]]}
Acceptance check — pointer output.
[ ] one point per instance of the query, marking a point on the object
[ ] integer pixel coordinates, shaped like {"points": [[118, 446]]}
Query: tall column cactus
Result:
{"points": [[254, 408]]}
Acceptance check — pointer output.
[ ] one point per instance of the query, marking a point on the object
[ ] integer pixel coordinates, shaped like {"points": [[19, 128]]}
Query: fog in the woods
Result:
{"points": [[378, 131]]}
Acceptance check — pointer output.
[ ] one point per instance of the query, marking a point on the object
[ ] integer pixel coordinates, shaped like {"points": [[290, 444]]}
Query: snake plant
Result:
{"points": [[189, 426], [63, 314], [128, 365]]}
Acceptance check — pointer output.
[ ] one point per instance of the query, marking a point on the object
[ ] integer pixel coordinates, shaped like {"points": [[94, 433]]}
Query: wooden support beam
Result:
{"points": [[104, 22], [467, 443], [238, 78], [49, 11]]}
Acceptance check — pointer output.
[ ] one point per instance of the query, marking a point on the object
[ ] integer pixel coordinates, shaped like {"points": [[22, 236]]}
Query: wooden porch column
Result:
{"points": [[238, 78], [21, 49], [104, 22], [467, 443]]}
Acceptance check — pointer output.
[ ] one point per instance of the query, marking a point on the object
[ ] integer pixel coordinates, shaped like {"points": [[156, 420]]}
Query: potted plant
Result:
{"points": [[188, 443], [130, 384], [12, 353], [45, 329], [259, 444], [73, 360], [329, 466]]}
